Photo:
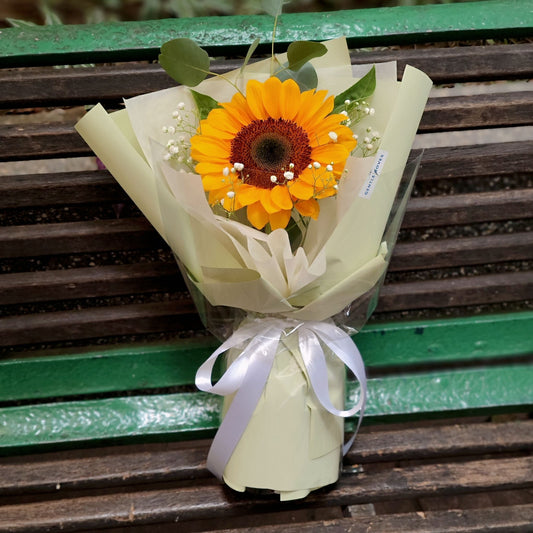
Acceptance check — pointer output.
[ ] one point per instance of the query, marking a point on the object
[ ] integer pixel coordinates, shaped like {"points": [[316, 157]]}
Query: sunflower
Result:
{"points": [[274, 150]]}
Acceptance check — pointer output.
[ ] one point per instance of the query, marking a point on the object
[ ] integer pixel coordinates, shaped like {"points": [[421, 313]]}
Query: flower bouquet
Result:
{"points": [[279, 189]]}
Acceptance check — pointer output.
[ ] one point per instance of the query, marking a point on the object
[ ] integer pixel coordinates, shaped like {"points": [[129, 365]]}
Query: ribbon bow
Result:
{"points": [[248, 374]]}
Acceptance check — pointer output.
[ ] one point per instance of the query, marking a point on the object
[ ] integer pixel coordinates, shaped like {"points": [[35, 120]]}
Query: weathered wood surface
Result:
{"points": [[82, 187], [132, 465], [32, 141], [156, 484], [38, 87]]}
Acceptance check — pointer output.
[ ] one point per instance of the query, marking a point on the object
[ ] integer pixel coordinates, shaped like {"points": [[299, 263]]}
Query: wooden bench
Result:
{"points": [[100, 427]]}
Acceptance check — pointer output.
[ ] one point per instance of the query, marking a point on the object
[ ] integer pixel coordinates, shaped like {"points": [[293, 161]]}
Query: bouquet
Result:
{"points": [[280, 188]]}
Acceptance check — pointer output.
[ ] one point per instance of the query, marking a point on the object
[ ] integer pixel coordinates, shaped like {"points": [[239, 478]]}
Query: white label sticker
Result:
{"points": [[368, 187]]}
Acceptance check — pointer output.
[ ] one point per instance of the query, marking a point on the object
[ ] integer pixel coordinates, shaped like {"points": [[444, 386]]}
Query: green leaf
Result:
{"points": [[300, 52], [204, 103], [273, 7], [17, 23], [184, 61], [51, 18], [358, 91], [250, 52], [306, 77]]}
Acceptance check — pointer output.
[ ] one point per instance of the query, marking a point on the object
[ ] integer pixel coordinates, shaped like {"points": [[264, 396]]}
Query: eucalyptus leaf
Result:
{"points": [[358, 91], [306, 77], [18, 23], [250, 52], [51, 18], [300, 52], [184, 61], [204, 103]]}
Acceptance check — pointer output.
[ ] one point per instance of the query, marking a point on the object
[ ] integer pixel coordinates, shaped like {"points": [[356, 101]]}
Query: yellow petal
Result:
{"points": [[249, 194], [266, 201], [289, 99], [210, 146], [271, 97], [301, 190], [281, 197], [257, 215], [308, 208], [280, 219], [254, 97], [208, 167], [329, 153]]}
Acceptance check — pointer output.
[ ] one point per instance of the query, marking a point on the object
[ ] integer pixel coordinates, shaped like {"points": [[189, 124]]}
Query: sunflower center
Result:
{"points": [[268, 148]]}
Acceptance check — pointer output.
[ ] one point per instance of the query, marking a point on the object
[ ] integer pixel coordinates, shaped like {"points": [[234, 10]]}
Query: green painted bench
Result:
{"points": [[100, 426]]}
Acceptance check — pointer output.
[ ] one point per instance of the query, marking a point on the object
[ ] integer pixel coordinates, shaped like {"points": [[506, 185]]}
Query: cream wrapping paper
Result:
{"points": [[233, 265]]}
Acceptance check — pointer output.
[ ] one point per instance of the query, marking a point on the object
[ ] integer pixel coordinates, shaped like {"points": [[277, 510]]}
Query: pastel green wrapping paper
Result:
{"points": [[292, 445]]}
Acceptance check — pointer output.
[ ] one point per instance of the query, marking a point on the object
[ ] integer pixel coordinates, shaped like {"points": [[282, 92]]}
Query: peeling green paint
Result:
{"points": [[120, 41]]}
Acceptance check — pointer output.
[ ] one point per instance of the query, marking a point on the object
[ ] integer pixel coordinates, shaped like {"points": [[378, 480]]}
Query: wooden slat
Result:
{"points": [[33, 141], [156, 317], [60, 188], [485, 160], [472, 161], [37, 141], [46, 87], [123, 466], [212, 501], [460, 252], [452, 292], [137, 233], [53, 285], [460, 63], [468, 208], [77, 237], [135, 319], [478, 111]]}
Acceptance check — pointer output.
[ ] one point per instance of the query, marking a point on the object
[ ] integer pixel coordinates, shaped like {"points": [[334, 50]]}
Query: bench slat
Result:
{"points": [[113, 42], [78, 237], [212, 501], [98, 186], [137, 233], [155, 463], [516, 518], [138, 278], [96, 322], [468, 208], [50, 285], [450, 292], [33, 141], [433, 342], [444, 393], [105, 83]]}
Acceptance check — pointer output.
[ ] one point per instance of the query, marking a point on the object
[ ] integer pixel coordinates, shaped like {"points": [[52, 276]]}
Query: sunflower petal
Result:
{"points": [[254, 97], [301, 190], [257, 215], [308, 208], [272, 89], [280, 219], [281, 197]]}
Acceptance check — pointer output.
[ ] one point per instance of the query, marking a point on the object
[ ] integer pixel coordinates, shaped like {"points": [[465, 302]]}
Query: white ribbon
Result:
{"points": [[248, 374]]}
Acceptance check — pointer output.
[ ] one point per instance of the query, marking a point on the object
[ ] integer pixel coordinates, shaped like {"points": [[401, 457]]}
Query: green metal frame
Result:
{"points": [[411, 391], [122, 41]]}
